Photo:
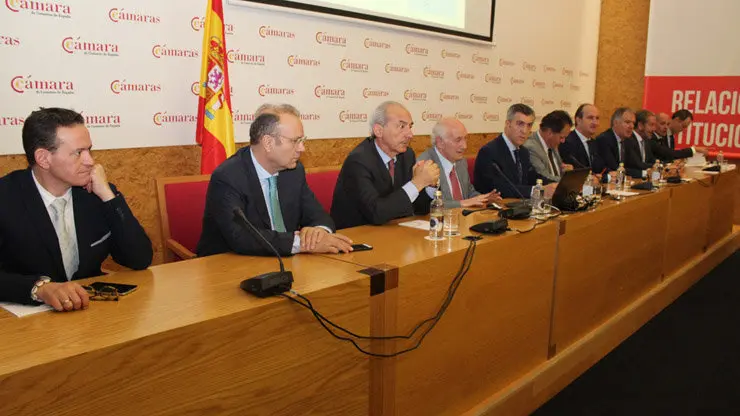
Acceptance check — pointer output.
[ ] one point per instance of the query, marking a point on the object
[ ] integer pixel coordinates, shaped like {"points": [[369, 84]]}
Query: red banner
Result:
{"points": [[714, 101]]}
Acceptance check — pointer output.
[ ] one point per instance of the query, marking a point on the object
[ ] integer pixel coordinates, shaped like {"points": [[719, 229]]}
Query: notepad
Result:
{"points": [[418, 224], [24, 310], [622, 193]]}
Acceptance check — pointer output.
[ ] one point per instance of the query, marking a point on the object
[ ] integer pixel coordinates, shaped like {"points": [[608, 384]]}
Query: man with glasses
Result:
{"points": [[380, 180], [268, 183]]}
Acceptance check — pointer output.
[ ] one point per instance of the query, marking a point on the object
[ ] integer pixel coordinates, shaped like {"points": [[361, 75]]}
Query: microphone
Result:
{"points": [[493, 206], [580, 165], [266, 284], [520, 210]]}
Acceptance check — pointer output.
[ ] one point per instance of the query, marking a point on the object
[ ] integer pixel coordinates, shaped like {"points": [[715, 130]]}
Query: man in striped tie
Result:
{"points": [[449, 143]]}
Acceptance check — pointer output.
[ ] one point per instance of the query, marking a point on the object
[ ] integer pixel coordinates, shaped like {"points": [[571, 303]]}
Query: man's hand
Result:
{"points": [[99, 184], [477, 201], [425, 173], [701, 149], [494, 196], [311, 236], [566, 167], [68, 296], [333, 243], [550, 189]]}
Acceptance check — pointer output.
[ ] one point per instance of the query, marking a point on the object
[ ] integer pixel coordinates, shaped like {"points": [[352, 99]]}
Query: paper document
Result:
{"points": [[621, 193], [418, 224], [24, 310]]}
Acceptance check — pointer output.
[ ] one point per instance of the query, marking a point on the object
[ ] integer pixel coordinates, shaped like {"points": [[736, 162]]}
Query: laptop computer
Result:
{"points": [[568, 188]]}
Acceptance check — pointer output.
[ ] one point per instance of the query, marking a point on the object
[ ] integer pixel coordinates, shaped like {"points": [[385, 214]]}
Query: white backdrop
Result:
{"points": [[132, 67]]}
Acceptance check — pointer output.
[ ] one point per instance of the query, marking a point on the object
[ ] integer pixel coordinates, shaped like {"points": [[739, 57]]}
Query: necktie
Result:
{"points": [[669, 139], [277, 214], [518, 165], [621, 150], [455, 186], [392, 169], [67, 245], [550, 155], [642, 149]]}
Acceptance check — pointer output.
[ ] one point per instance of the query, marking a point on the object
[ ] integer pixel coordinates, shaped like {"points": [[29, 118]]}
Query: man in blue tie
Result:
{"points": [[268, 183]]}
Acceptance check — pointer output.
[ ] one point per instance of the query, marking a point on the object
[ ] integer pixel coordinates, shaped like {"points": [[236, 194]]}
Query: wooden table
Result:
{"points": [[533, 312]]}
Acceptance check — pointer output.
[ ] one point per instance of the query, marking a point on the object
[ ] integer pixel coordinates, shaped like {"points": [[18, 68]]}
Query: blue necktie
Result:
{"points": [[277, 215], [518, 165]]}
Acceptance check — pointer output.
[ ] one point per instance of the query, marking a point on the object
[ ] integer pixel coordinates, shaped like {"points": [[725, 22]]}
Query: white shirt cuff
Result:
{"points": [[297, 240], [411, 191]]}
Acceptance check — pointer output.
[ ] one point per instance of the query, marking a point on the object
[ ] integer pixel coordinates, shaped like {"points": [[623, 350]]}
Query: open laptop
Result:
{"points": [[569, 186]]}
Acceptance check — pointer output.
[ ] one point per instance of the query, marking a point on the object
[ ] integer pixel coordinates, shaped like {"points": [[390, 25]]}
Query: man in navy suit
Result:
{"points": [[268, 183], [578, 148], [613, 145], [60, 218], [505, 157]]}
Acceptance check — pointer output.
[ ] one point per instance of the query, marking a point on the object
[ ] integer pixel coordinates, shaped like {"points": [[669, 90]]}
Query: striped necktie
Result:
{"points": [[277, 214]]}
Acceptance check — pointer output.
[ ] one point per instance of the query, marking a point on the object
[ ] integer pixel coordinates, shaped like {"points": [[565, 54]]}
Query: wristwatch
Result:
{"points": [[42, 281]]}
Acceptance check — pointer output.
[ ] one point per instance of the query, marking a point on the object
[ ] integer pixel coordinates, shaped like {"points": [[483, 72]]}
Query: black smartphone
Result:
{"points": [[361, 247], [121, 288]]}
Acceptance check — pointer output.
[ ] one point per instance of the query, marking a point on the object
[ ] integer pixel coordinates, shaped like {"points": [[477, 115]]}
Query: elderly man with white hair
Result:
{"points": [[449, 143]]}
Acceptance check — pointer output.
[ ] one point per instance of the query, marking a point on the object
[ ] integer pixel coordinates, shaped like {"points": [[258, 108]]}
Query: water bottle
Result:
{"points": [[621, 178], [720, 159], [538, 198], [437, 217], [655, 176], [588, 187]]}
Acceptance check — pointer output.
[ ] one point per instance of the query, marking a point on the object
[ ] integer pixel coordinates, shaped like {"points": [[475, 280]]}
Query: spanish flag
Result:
{"points": [[215, 129]]}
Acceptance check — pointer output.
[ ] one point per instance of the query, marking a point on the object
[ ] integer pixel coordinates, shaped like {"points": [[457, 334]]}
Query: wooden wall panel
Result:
{"points": [[134, 170]]}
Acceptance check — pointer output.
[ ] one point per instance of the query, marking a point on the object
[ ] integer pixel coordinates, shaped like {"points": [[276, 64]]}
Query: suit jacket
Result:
{"points": [[29, 247], [633, 156], [668, 153], [540, 160], [235, 184], [608, 151], [574, 153], [488, 179], [461, 169], [365, 193]]}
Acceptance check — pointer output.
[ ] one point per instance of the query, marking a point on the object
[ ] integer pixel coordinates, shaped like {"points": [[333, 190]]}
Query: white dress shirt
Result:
{"points": [[584, 140], [409, 187], [69, 217], [555, 172]]}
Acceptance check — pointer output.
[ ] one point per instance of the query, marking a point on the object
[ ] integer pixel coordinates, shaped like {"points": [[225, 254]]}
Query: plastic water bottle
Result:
{"points": [[621, 178], [655, 176], [437, 217], [538, 198], [588, 187], [720, 159]]}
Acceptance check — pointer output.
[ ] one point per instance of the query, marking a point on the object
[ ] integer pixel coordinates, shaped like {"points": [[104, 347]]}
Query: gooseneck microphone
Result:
{"points": [[519, 211], [491, 206], [574, 160], [266, 284]]}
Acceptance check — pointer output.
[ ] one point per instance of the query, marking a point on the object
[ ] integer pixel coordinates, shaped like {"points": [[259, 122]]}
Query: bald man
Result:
{"points": [[449, 143], [666, 130]]}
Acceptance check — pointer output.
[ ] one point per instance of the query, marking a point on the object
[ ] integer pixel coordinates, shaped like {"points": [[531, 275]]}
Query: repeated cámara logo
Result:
{"points": [[242, 118], [503, 100], [22, 84], [390, 68], [478, 59], [265, 89], [427, 115], [450, 54], [478, 99], [198, 23], [567, 72], [529, 67], [346, 116], [164, 118], [322, 91], [370, 43], [566, 104], [9, 41], [269, 32], [464, 75], [556, 85], [120, 86], [352, 66], [412, 49], [372, 93], [539, 84], [40, 8], [547, 68], [97, 121], [545, 101], [463, 116], [11, 121], [527, 100], [516, 81], [117, 15], [490, 116], [235, 56], [505, 62], [77, 45], [295, 60], [430, 72], [310, 117], [575, 87], [323, 38], [413, 95], [493, 79], [163, 51], [443, 96]]}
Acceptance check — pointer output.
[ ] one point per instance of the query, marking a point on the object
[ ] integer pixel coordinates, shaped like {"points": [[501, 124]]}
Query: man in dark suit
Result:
{"points": [[505, 158], [380, 180], [644, 154], [449, 143], [680, 121], [578, 148], [611, 145], [268, 184], [60, 218]]}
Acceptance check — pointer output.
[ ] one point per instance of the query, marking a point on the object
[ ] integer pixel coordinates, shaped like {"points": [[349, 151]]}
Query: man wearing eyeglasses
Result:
{"points": [[268, 183], [381, 180]]}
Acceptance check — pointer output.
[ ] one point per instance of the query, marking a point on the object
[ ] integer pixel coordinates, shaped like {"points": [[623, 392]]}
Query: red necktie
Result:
{"points": [[392, 169], [455, 185]]}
